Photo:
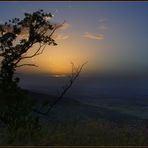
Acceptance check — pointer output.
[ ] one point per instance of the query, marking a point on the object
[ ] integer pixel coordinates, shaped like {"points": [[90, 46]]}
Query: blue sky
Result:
{"points": [[112, 36]]}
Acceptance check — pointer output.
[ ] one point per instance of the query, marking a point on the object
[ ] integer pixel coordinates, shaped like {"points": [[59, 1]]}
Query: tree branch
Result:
{"points": [[26, 65], [40, 49], [74, 75], [31, 56], [55, 28]]}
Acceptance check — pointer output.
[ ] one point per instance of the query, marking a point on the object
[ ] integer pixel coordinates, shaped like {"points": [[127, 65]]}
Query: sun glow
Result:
{"points": [[60, 67], [59, 75], [56, 60]]}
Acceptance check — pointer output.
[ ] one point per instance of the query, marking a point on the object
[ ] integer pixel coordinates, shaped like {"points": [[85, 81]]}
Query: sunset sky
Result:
{"points": [[111, 36]]}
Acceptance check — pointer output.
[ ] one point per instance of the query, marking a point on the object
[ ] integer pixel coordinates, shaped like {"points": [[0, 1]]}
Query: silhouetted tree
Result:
{"points": [[72, 78], [16, 39]]}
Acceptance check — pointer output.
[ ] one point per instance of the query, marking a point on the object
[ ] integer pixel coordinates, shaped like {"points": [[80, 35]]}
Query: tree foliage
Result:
{"points": [[16, 39]]}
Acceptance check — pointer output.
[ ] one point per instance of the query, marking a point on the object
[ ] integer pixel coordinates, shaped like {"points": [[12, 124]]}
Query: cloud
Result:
{"points": [[103, 20], [92, 36], [61, 37], [103, 27]]}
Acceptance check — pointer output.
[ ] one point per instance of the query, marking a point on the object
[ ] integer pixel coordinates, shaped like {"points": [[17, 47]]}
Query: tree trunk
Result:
{"points": [[7, 72]]}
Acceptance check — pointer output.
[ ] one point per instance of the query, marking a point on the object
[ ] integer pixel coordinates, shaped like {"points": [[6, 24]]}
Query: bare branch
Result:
{"points": [[41, 50], [26, 65], [41, 45], [73, 77], [37, 51], [55, 28]]}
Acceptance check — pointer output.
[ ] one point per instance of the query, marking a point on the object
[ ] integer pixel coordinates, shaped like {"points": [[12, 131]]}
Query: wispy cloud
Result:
{"points": [[102, 20], [103, 27], [92, 36], [61, 37]]}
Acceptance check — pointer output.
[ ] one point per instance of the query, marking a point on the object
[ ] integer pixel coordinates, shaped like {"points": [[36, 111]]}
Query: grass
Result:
{"points": [[76, 133], [100, 133], [72, 131]]}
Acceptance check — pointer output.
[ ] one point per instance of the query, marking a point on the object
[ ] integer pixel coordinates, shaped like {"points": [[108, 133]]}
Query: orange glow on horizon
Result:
{"points": [[56, 60]]}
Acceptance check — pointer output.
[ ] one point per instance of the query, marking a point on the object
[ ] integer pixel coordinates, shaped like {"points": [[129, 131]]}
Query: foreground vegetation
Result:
{"points": [[76, 133], [23, 127], [99, 133]]}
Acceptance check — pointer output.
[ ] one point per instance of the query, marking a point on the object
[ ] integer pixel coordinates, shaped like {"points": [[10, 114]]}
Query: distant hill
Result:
{"points": [[72, 110]]}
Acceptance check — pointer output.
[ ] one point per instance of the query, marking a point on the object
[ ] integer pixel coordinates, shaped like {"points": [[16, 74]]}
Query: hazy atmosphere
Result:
{"points": [[111, 36], [95, 66]]}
